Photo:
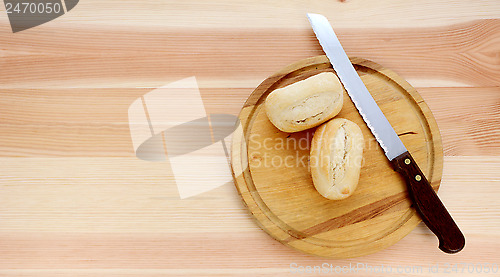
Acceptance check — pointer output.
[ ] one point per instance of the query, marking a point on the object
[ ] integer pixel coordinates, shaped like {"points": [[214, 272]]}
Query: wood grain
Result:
{"points": [[469, 119], [463, 54], [74, 200], [220, 14]]}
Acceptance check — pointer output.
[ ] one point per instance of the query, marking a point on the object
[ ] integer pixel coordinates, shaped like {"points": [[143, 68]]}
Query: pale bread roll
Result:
{"points": [[336, 156], [305, 104]]}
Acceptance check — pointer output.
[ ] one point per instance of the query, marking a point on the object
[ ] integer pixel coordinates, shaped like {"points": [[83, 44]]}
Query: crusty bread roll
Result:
{"points": [[305, 104], [336, 155]]}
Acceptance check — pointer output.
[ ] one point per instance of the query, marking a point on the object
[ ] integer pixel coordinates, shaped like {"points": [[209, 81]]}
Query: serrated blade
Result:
{"points": [[356, 89]]}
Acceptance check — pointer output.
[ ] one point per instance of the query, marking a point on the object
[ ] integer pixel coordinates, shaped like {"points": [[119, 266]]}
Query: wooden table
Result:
{"points": [[76, 201]]}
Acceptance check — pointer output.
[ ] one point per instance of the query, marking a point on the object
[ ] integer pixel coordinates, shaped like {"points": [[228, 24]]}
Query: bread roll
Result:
{"points": [[305, 104], [336, 155]]}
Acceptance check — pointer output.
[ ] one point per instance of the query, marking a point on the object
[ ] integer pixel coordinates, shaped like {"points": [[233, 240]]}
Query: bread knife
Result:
{"points": [[425, 199]]}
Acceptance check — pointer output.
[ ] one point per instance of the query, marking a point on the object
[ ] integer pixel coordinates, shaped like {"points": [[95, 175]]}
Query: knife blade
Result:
{"points": [[427, 203]]}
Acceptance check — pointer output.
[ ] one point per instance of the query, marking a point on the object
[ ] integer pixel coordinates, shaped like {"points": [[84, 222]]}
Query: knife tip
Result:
{"points": [[311, 16], [314, 14]]}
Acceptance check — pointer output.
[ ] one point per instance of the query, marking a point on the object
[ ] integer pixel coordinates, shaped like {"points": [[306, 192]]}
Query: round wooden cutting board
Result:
{"points": [[272, 175]]}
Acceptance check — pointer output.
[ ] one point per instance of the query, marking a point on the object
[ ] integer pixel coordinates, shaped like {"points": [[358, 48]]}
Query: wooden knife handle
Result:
{"points": [[431, 209]]}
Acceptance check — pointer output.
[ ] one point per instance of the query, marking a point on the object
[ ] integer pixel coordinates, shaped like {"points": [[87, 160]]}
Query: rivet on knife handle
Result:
{"points": [[431, 209]]}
